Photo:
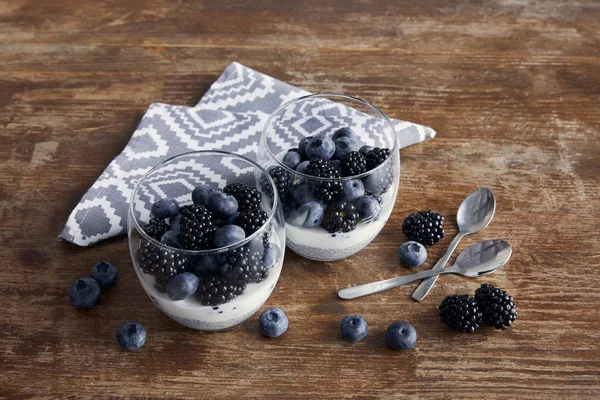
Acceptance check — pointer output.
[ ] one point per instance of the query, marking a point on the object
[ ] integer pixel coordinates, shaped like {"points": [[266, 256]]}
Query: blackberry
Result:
{"points": [[197, 227], [251, 221], [354, 164], [214, 290], [425, 227], [496, 305], [242, 265], [248, 198], [282, 179], [376, 157], [461, 313], [155, 228], [324, 190], [162, 264], [340, 217]]}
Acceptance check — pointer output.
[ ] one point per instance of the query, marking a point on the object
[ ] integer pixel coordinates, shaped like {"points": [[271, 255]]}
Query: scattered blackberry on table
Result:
{"points": [[425, 227], [214, 290], [155, 228], [248, 198], [251, 221], [354, 164], [497, 306], [324, 190], [160, 263], [376, 157], [340, 217], [242, 265], [197, 228], [461, 313]]}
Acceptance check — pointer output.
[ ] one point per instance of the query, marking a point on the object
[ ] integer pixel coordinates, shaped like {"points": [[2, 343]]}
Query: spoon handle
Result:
{"points": [[354, 292], [423, 289]]}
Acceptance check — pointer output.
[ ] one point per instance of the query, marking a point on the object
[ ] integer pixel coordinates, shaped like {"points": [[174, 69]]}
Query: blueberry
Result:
{"points": [[365, 149], [228, 235], [302, 146], [401, 336], [308, 215], [345, 132], [320, 147], [200, 194], [343, 147], [272, 254], [257, 245], [165, 208], [273, 322], [227, 221], [132, 335], [182, 286], [304, 194], [292, 159], [368, 207], [175, 224], [337, 165], [171, 238], [302, 167], [84, 293], [354, 328], [104, 273], [221, 204], [204, 265], [412, 254], [353, 189]]}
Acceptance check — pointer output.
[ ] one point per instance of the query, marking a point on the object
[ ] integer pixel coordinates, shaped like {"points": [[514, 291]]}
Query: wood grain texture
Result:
{"points": [[512, 87]]}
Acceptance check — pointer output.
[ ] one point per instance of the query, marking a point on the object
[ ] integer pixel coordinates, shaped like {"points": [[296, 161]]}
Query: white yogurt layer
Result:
{"points": [[191, 313], [318, 244]]}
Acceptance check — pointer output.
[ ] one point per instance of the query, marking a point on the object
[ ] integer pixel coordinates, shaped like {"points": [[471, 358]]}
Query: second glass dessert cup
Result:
{"points": [[335, 162]]}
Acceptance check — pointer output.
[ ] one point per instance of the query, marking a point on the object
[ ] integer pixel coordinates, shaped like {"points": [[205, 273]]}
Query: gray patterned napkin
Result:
{"points": [[229, 117]]}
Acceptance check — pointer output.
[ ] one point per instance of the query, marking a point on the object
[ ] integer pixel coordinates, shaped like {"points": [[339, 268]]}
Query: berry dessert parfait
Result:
{"points": [[335, 162], [206, 239]]}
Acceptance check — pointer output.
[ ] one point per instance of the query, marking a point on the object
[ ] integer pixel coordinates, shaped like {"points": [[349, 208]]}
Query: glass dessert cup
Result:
{"points": [[154, 262], [322, 116]]}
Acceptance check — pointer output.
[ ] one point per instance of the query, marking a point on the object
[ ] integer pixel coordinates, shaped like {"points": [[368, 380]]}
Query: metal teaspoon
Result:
{"points": [[474, 214], [481, 259]]}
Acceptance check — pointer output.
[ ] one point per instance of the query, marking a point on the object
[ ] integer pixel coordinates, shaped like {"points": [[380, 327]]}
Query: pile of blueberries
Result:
{"points": [[215, 219], [323, 191]]}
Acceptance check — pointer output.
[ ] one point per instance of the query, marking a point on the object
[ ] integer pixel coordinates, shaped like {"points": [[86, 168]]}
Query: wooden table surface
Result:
{"points": [[513, 90]]}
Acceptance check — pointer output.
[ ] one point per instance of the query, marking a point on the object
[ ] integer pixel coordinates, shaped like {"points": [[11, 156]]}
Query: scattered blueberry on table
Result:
{"points": [[401, 336], [84, 293], [354, 328], [104, 273], [273, 322], [132, 335], [412, 254]]}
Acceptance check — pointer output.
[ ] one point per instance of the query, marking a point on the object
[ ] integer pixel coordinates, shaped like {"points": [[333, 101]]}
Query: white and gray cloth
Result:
{"points": [[229, 117]]}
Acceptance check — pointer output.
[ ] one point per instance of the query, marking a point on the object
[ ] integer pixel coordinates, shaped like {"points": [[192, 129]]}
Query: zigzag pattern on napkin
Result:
{"points": [[229, 117]]}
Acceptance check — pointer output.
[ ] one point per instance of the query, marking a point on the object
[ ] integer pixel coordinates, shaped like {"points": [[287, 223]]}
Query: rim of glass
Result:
{"points": [[264, 136], [259, 231]]}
